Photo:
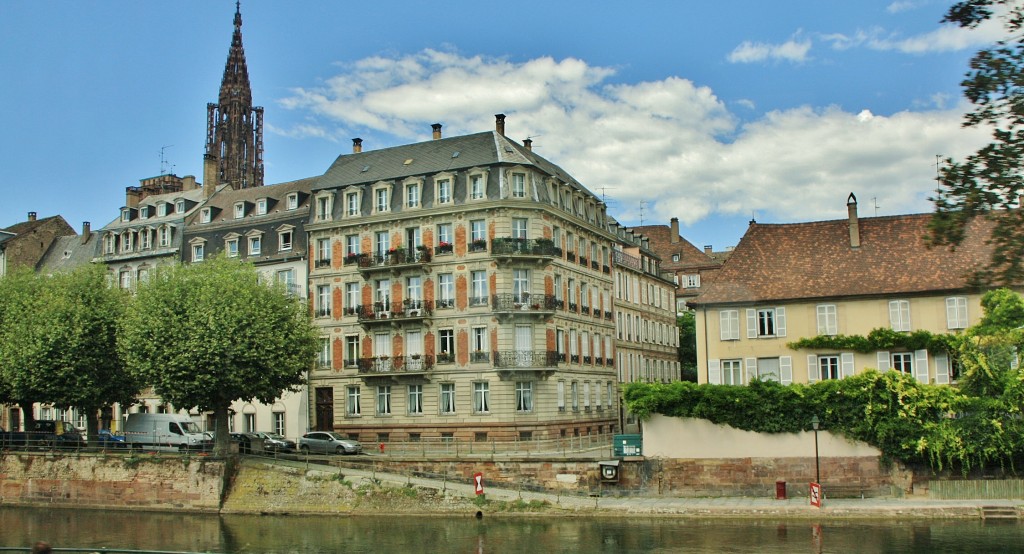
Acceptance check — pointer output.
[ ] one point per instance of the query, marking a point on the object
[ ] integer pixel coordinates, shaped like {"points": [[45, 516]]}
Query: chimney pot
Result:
{"points": [[357, 145], [86, 231], [528, 143], [32, 216], [707, 249], [437, 130], [674, 238], [499, 123]]}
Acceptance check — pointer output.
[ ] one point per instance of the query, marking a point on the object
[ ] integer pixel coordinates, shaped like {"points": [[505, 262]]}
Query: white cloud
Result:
{"points": [[669, 143], [903, 6], [945, 38], [793, 50]]}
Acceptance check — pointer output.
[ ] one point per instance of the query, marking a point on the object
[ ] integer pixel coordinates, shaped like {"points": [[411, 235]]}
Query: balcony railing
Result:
{"points": [[322, 263], [571, 256], [583, 261], [322, 312], [623, 259], [387, 311], [585, 310], [352, 259], [446, 358], [594, 264], [444, 303], [525, 302], [525, 358], [418, 363], [444, 248], [524, 247], [478, 245], [479, 357], [607, 315], [393, 258]]}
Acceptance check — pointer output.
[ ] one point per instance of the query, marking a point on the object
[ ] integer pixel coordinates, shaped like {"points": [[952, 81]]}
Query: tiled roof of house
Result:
{"points": [[815, 260], [226, 197], [69, 252], [661, 242], [27, 226]]}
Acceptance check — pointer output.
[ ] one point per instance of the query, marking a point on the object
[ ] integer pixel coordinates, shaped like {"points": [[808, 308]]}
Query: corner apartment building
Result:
{"points": [[463, 288], [842, 277]]}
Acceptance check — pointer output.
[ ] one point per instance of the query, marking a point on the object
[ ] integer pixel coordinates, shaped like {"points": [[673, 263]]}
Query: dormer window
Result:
{"points": [[381, 200], [284, 238], [352, 204], [239, 210], [231, 245], [126, 214], [164, 235], [204, 215], [519, 185], [293, 201], [126, 241], [145, 239], [179, 206], [109, 243], [324, 207], [412, 195], [255, 245], [476, 187], [144, 212], [261, 206], [161, 209], [444, 191]]}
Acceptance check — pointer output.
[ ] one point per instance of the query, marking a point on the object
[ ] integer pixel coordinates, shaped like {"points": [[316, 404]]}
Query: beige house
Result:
{"points": [[787, 282]]}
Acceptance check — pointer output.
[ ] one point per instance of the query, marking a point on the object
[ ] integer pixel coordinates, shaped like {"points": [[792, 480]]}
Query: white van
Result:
{"points": [[166, 430]]}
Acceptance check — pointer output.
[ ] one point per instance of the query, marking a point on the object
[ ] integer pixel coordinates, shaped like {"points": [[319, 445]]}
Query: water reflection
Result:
{"points": [[464, 533]]}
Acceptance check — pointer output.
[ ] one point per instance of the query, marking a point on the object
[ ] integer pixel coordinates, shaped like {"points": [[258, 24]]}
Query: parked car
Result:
{"points": [[108, 439], [245, 441], [328, 443], [275, 442]]}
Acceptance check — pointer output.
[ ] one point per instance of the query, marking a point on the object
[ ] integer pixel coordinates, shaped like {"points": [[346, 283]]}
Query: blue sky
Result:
{"points": [[712, 112]]}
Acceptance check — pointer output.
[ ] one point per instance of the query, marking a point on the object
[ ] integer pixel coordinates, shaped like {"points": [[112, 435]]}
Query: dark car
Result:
{"points": [[55, 434], [329, 443], [245, 441], [108, 439], [275, 442]]}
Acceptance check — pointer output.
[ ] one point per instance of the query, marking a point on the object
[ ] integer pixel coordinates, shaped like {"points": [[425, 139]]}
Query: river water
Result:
{"points": [[67, 528]]}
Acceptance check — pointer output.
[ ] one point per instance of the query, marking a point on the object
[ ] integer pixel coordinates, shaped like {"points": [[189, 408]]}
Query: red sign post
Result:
{"points": [[478, 480], [816, 495]]}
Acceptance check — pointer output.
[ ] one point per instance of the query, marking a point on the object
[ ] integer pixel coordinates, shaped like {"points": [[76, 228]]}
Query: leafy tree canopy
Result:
{"points": [[210, 333], [989, 182]]}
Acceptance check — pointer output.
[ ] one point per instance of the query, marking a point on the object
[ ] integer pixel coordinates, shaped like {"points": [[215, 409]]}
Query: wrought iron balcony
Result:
{"points": [[394, 259], [417, 363], [594, 264], [479, 357], [322, 263], [571, 256], [352, 259], [446, 358], [525, 358], [535, 248], [407, 310], [444, 248], [585, 310], [583, 261], [322, 312], [478, 245], [607, 315], [444, 303], [523, 302]]}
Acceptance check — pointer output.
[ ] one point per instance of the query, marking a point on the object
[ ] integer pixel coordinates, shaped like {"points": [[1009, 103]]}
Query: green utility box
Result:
{"points": [[628, 445]]}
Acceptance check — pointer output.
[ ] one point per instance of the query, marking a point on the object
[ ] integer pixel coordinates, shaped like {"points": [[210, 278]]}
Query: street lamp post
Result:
{"points": [[815, 422]]}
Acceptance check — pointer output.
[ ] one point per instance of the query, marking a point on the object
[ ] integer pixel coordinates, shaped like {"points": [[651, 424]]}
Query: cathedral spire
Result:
{"points": [[234, 128]]}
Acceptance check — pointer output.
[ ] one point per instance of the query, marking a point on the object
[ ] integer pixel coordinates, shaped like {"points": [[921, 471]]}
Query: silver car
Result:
{"points": [[328, 443]]}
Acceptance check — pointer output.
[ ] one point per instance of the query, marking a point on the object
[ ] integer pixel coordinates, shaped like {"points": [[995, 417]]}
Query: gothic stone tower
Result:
{"points": [[234, 128]]}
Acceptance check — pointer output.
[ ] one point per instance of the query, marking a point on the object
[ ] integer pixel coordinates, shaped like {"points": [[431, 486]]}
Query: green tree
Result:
{"points": [[687, 324], [207, 334], [989, 352], [58, 343], [989, 183]]}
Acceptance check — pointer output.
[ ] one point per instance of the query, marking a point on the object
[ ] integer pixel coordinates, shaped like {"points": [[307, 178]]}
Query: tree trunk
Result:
{"points": [[28, 418], [221, 437], [92, 424]]}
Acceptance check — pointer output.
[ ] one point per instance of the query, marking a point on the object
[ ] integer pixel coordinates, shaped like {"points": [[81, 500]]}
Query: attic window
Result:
{"points": [[407, 162], [364, 169], [455, 154]]}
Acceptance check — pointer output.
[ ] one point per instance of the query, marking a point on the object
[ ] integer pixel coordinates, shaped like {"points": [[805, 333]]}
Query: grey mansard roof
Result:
{"points": [[476, 150]]}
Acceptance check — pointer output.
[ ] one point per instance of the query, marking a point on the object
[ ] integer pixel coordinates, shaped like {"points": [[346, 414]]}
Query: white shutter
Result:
{"points": [[724, 325], [812, 368], [751, 323], [780, 322], [921, 365], [751, 364], [951, 314], [846, 359], [785, 370], [714, 372], [883, 361], [942, 368]]}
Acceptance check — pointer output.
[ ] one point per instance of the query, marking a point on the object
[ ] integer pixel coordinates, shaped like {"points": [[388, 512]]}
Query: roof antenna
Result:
{"points": [[643, 203], [163, 160], [874, 200]]}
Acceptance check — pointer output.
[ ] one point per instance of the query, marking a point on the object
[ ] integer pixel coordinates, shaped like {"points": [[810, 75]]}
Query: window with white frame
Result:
{"points": [[476, 187], [574, 393], [323, 300], [198, 251], [383, 399], [481, 397], [446, 345], [444, 234], [524, 396], [323, 252], [351, 298], [239, 210], [444, 191], [899, 315], [415, 399], [414, 292], [766, 322], [729, 322], [382, 295], [255, 245], [519, 185], [284, 239], [324, 358], [165, 236], [956, 312], [765, 369], [126, 241], [608, 397], [277, 423], [381, 200], [324, 205], [412, 195], [732, 372], [560, 396], [161, 209], [381, 243], [351, 245], [232, 247], [477, 230], [204, 215], [352, 204], [521, 286], [478, 341], [478, 288], [828, 367], [903, 362], [287, 278], [692, 281], [351, 351], [353, 401], [519, 227], [445, 290], [827, 324], [125, 279], [145, 239], [261, 206], [292, 201], [447, 404], [179, 206]]}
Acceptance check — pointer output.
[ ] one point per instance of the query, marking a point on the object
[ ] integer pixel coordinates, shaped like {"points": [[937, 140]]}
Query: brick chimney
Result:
{"points": [[437, 130], [499, 123], [674, 238], [357, 145], [851, 210], [86, 231], [31, 216], [528, 143], [707, 249]]}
